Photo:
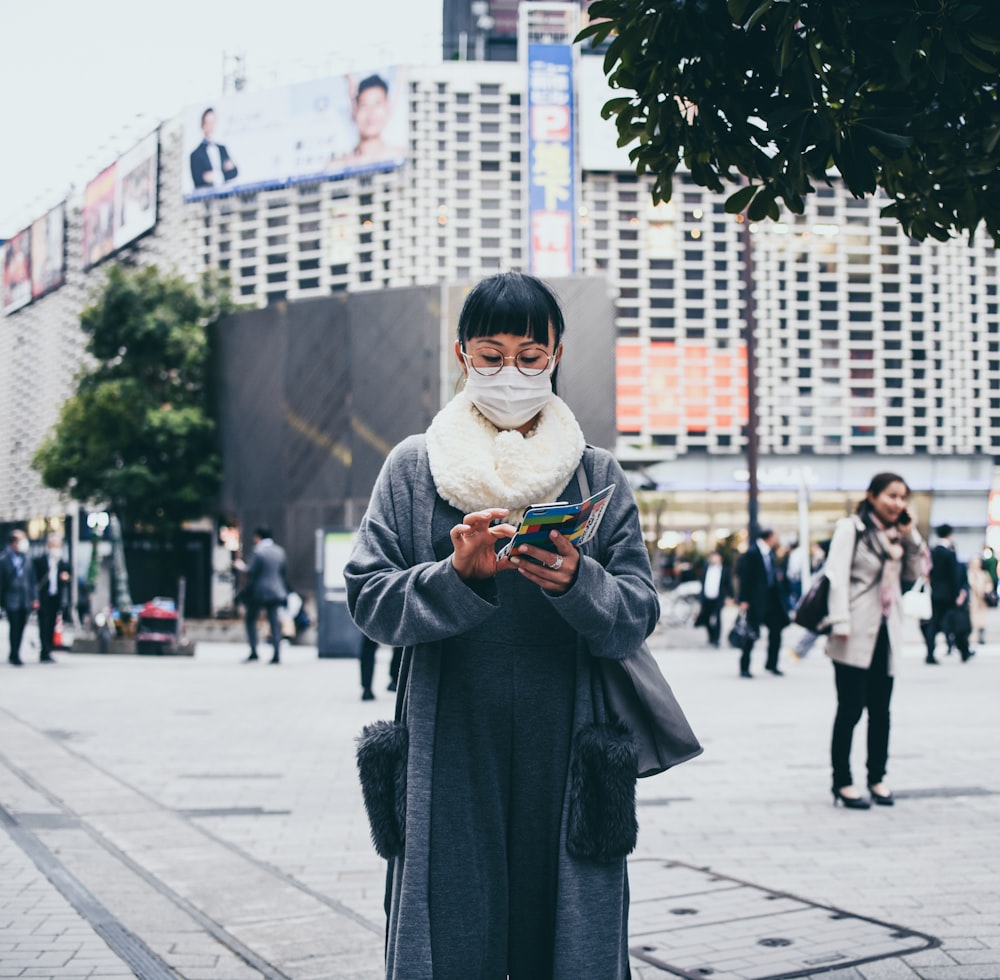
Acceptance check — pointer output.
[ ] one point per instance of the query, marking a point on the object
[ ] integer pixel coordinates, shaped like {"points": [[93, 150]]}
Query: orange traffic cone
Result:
{"points": [[57, 636]]}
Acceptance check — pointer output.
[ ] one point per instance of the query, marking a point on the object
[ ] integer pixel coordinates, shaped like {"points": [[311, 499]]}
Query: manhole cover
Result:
{"points": [[695, 923]]}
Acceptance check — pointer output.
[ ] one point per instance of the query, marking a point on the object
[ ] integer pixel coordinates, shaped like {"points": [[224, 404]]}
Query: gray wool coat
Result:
{"points": [[855, 601], [400, 594]]}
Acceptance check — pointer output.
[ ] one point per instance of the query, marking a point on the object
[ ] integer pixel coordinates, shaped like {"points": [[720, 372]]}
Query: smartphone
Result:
{"points": [[904, 517]]}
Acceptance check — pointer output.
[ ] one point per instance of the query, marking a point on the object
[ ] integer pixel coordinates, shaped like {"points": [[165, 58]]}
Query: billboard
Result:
{"points": [[119, 204], [310, 131], [17, 272], [552, 163], [48, 252]]}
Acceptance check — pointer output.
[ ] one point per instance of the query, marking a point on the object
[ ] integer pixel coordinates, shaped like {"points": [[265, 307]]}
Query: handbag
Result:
{"points": [[814, 606], [917, 600], [638, 730], [742, 634], [637, 694]]}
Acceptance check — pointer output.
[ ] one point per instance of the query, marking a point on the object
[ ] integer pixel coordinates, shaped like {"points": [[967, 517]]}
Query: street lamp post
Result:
{"points": [[749, 334]]}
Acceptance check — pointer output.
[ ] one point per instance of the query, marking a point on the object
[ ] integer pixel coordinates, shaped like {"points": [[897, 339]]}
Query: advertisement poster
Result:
{"points": [[48, 252], [135, 191], [17, 272], [311, 131], [552, 163], [99, 218]]}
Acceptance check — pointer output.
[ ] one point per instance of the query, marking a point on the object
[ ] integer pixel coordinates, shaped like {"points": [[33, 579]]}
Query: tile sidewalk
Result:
{"points": [[200, 818]]}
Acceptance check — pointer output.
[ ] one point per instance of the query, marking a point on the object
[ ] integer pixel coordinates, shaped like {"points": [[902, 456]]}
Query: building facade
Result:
{"points": [[867, 343]]}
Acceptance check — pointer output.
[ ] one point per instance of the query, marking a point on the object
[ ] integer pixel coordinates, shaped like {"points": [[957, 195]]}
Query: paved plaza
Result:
{"points": [[198, 817]]}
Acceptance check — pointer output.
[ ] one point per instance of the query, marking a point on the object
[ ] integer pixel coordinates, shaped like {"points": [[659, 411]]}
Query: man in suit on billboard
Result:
{"points": [[52, 573], [211, 165], [17, 590], [761, 598], [266, 588]]}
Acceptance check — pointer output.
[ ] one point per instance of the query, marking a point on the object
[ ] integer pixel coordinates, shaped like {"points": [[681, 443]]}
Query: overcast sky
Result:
{"points": [[83, 80]]}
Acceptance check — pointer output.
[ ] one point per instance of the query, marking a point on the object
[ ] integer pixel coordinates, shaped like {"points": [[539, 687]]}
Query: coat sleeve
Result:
{"points": [[838, 570], [613, 603], [393, 597]]}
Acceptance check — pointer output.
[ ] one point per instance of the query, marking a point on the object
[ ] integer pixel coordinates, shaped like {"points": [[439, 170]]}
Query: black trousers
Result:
{"points": [[710, 616], [18, 619], [368, 648], [939, 623], [273, 620], [858, 689], [775, 620], [48, 612]]}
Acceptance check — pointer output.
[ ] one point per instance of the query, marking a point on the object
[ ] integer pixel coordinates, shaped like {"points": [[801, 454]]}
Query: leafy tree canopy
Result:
{"points": [[897, 95], [138, 433]]}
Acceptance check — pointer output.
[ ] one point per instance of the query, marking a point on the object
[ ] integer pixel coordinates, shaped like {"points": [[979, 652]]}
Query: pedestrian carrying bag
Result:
{"points": [[917, 600]]}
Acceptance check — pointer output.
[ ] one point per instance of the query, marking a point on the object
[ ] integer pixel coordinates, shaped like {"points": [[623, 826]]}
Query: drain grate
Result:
{"points": [[233, 811], [943, 792], [694, 923]]}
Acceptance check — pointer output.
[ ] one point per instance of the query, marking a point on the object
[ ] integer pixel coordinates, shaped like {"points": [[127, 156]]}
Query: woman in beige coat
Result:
{"points": [[870, 553]]}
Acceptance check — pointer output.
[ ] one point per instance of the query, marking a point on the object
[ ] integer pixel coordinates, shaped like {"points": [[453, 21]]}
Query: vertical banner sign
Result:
{"points": [[551, 160]]}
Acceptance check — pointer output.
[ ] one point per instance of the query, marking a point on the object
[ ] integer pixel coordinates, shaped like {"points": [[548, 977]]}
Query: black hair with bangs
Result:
{"points": [[514, 303]]}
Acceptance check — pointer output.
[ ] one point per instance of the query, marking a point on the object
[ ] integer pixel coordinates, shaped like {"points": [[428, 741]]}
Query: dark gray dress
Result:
{"points": [[504, 723]]}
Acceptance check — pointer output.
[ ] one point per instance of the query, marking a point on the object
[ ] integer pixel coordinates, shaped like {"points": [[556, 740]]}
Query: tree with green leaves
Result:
{"points": [[900, 96], [139, 433]]}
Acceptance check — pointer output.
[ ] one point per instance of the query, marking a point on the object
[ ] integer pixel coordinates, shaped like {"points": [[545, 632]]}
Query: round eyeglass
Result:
{"points": [[531, 361]]}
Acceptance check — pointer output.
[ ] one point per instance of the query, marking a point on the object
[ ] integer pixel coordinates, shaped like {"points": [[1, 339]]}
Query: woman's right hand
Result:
{"points": [[475, 540]]}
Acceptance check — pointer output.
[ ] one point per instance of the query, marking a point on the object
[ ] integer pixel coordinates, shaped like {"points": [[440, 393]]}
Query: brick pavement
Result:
{"points": [[198, 817]]}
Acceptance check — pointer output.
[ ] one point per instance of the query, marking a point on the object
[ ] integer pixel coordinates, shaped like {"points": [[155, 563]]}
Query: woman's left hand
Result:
{"points": [[557, 571]]}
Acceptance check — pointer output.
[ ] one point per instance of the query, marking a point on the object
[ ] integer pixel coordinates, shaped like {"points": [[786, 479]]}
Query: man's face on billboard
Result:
{"points": [[371, 112], [208, 125]]}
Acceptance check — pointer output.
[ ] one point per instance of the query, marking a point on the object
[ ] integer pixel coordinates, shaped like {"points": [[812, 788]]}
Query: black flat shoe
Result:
{"points": [[882, 799], [932, 660], [850, 802], [745, 673], [776, 672]]}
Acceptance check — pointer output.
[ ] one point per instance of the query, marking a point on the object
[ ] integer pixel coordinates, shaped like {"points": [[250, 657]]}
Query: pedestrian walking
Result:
{"points": [[18, 595], [266, 589], [498, 686], [716, 588], [870, 553], [980, 589], [762, 599], [948, 595], [52, 575]]}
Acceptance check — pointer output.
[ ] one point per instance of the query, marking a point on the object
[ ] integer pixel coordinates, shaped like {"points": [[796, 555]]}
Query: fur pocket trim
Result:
{"points": [[602, 821], [381, 756]]}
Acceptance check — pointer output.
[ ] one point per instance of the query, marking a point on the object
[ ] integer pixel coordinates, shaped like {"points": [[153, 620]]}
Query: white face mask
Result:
{"points": [[508, 398], [23, 545]]}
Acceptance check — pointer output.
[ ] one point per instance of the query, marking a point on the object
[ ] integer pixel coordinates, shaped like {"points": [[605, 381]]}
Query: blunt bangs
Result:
{"points": [[511, 303]]}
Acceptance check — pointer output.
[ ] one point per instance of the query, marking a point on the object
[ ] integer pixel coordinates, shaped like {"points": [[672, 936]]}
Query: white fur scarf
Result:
{"points": [[475, 465]]}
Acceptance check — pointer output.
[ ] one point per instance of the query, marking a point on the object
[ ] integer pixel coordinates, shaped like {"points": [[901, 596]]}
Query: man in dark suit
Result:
{"points": [[266, 588], [17, 590], [52, 574], [211, 165], [716, 587], [948, 594], [762, 598]]}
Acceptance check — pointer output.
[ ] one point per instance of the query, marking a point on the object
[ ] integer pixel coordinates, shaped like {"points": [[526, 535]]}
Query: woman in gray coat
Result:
{"points": [[471, 793], [870, 553]]}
